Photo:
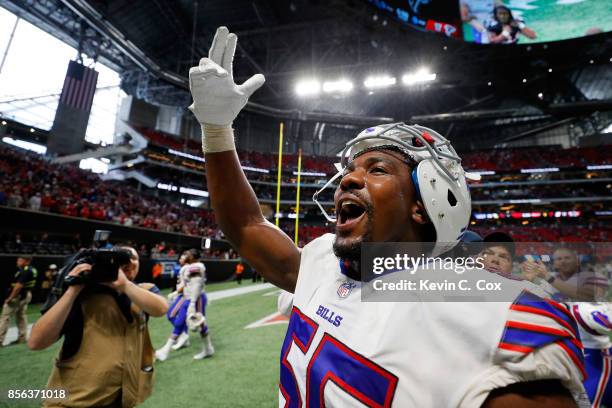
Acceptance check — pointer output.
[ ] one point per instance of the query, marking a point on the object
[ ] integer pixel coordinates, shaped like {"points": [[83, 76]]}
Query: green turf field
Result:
{"points": [[242, 373], [555, 20]]}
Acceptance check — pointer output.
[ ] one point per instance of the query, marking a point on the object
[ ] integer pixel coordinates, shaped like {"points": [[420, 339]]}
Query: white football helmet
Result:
{"points": [[439, 179]]}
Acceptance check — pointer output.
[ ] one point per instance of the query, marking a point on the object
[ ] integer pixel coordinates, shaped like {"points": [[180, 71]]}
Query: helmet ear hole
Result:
{"points": [[452, 200]]}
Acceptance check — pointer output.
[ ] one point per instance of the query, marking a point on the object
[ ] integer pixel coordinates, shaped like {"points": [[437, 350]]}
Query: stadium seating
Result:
{"points": [[496, 160], [70, 191]]}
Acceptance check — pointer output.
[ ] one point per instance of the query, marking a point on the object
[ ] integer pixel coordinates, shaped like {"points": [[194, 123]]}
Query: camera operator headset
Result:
{"points": [[106, 358]]}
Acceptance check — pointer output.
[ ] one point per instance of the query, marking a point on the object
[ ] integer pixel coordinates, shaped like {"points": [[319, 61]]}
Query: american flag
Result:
{"points": [[79, 86]]}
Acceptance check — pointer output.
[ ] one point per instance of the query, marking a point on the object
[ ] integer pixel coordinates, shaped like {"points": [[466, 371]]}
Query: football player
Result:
{"points": [[183, 338], [567, 282], [595, 324], [188, 310], [398, 183]]}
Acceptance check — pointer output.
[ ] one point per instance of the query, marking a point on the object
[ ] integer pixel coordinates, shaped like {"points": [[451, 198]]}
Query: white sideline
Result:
{"points": [[222, 294]]}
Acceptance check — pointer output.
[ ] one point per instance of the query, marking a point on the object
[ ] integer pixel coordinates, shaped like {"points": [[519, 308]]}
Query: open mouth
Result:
{"points": [[350, 212]]}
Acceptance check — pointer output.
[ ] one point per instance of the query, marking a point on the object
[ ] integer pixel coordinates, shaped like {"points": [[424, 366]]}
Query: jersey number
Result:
{"points": [[332, 361]]}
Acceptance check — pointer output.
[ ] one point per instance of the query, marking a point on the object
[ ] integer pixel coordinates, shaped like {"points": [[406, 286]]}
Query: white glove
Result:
{"points": [[217, 100]]}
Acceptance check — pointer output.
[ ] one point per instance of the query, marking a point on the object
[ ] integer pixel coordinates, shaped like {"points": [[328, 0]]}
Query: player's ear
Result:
{"points": [[418, 213]]}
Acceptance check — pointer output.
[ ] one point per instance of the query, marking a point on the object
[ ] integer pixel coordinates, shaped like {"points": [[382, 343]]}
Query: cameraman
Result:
{"points": [[106, 359]]}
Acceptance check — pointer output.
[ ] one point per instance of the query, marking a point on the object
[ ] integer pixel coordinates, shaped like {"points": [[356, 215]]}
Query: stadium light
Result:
{"points": [[541, 170], [599, 167], [186, 155], [168, 187], [526, 201], [94, 165], [421, 76], [182, 190], [193, 191], [373, 82], [308, 87], [482, 172], [35, 147], [311, 173], [255, 169], [192, 203], [339, 86]]}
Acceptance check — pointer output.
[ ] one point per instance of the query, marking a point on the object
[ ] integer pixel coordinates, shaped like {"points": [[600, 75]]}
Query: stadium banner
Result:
{"points": [[440, 16], [67, 134], [486, 271]]}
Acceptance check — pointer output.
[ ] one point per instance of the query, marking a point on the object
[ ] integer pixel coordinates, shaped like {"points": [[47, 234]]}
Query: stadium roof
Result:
{"points": [[154, 42]]}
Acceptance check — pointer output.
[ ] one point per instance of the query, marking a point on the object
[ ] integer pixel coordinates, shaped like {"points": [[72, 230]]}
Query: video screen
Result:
{"points": [[532, 21], [441, 16]]}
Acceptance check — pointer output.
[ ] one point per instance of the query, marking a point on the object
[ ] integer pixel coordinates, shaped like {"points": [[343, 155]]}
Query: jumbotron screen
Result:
{"points": [[504, 22], [440, 16], [532, 21]]}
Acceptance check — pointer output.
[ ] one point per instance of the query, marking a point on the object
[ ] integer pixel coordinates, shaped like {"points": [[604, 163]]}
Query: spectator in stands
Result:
{"points": [[567, 276], [34, 202], [18, 241], [16, 303], [498, 253], [47, 202], [15, 199]]}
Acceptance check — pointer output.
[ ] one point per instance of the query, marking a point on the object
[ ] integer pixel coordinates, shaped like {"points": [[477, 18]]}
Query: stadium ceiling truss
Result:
{"points": [[152, 44]]}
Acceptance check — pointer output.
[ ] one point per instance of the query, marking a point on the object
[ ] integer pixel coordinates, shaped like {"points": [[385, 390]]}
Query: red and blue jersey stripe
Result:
{"points": [[535, 323]]}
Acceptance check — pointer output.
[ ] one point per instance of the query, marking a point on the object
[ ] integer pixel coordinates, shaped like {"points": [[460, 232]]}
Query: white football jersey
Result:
{"points": [[342, 352], [594, 323], [284, 303], [592, 329], [188, 269]]}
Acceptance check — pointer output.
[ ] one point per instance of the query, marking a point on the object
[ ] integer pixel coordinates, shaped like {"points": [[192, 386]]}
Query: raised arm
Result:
{"points": [[217, 101]]}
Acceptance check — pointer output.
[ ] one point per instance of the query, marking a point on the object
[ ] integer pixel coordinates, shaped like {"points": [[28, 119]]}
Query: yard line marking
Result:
{"points": [[226, 293], [269, 320]]}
